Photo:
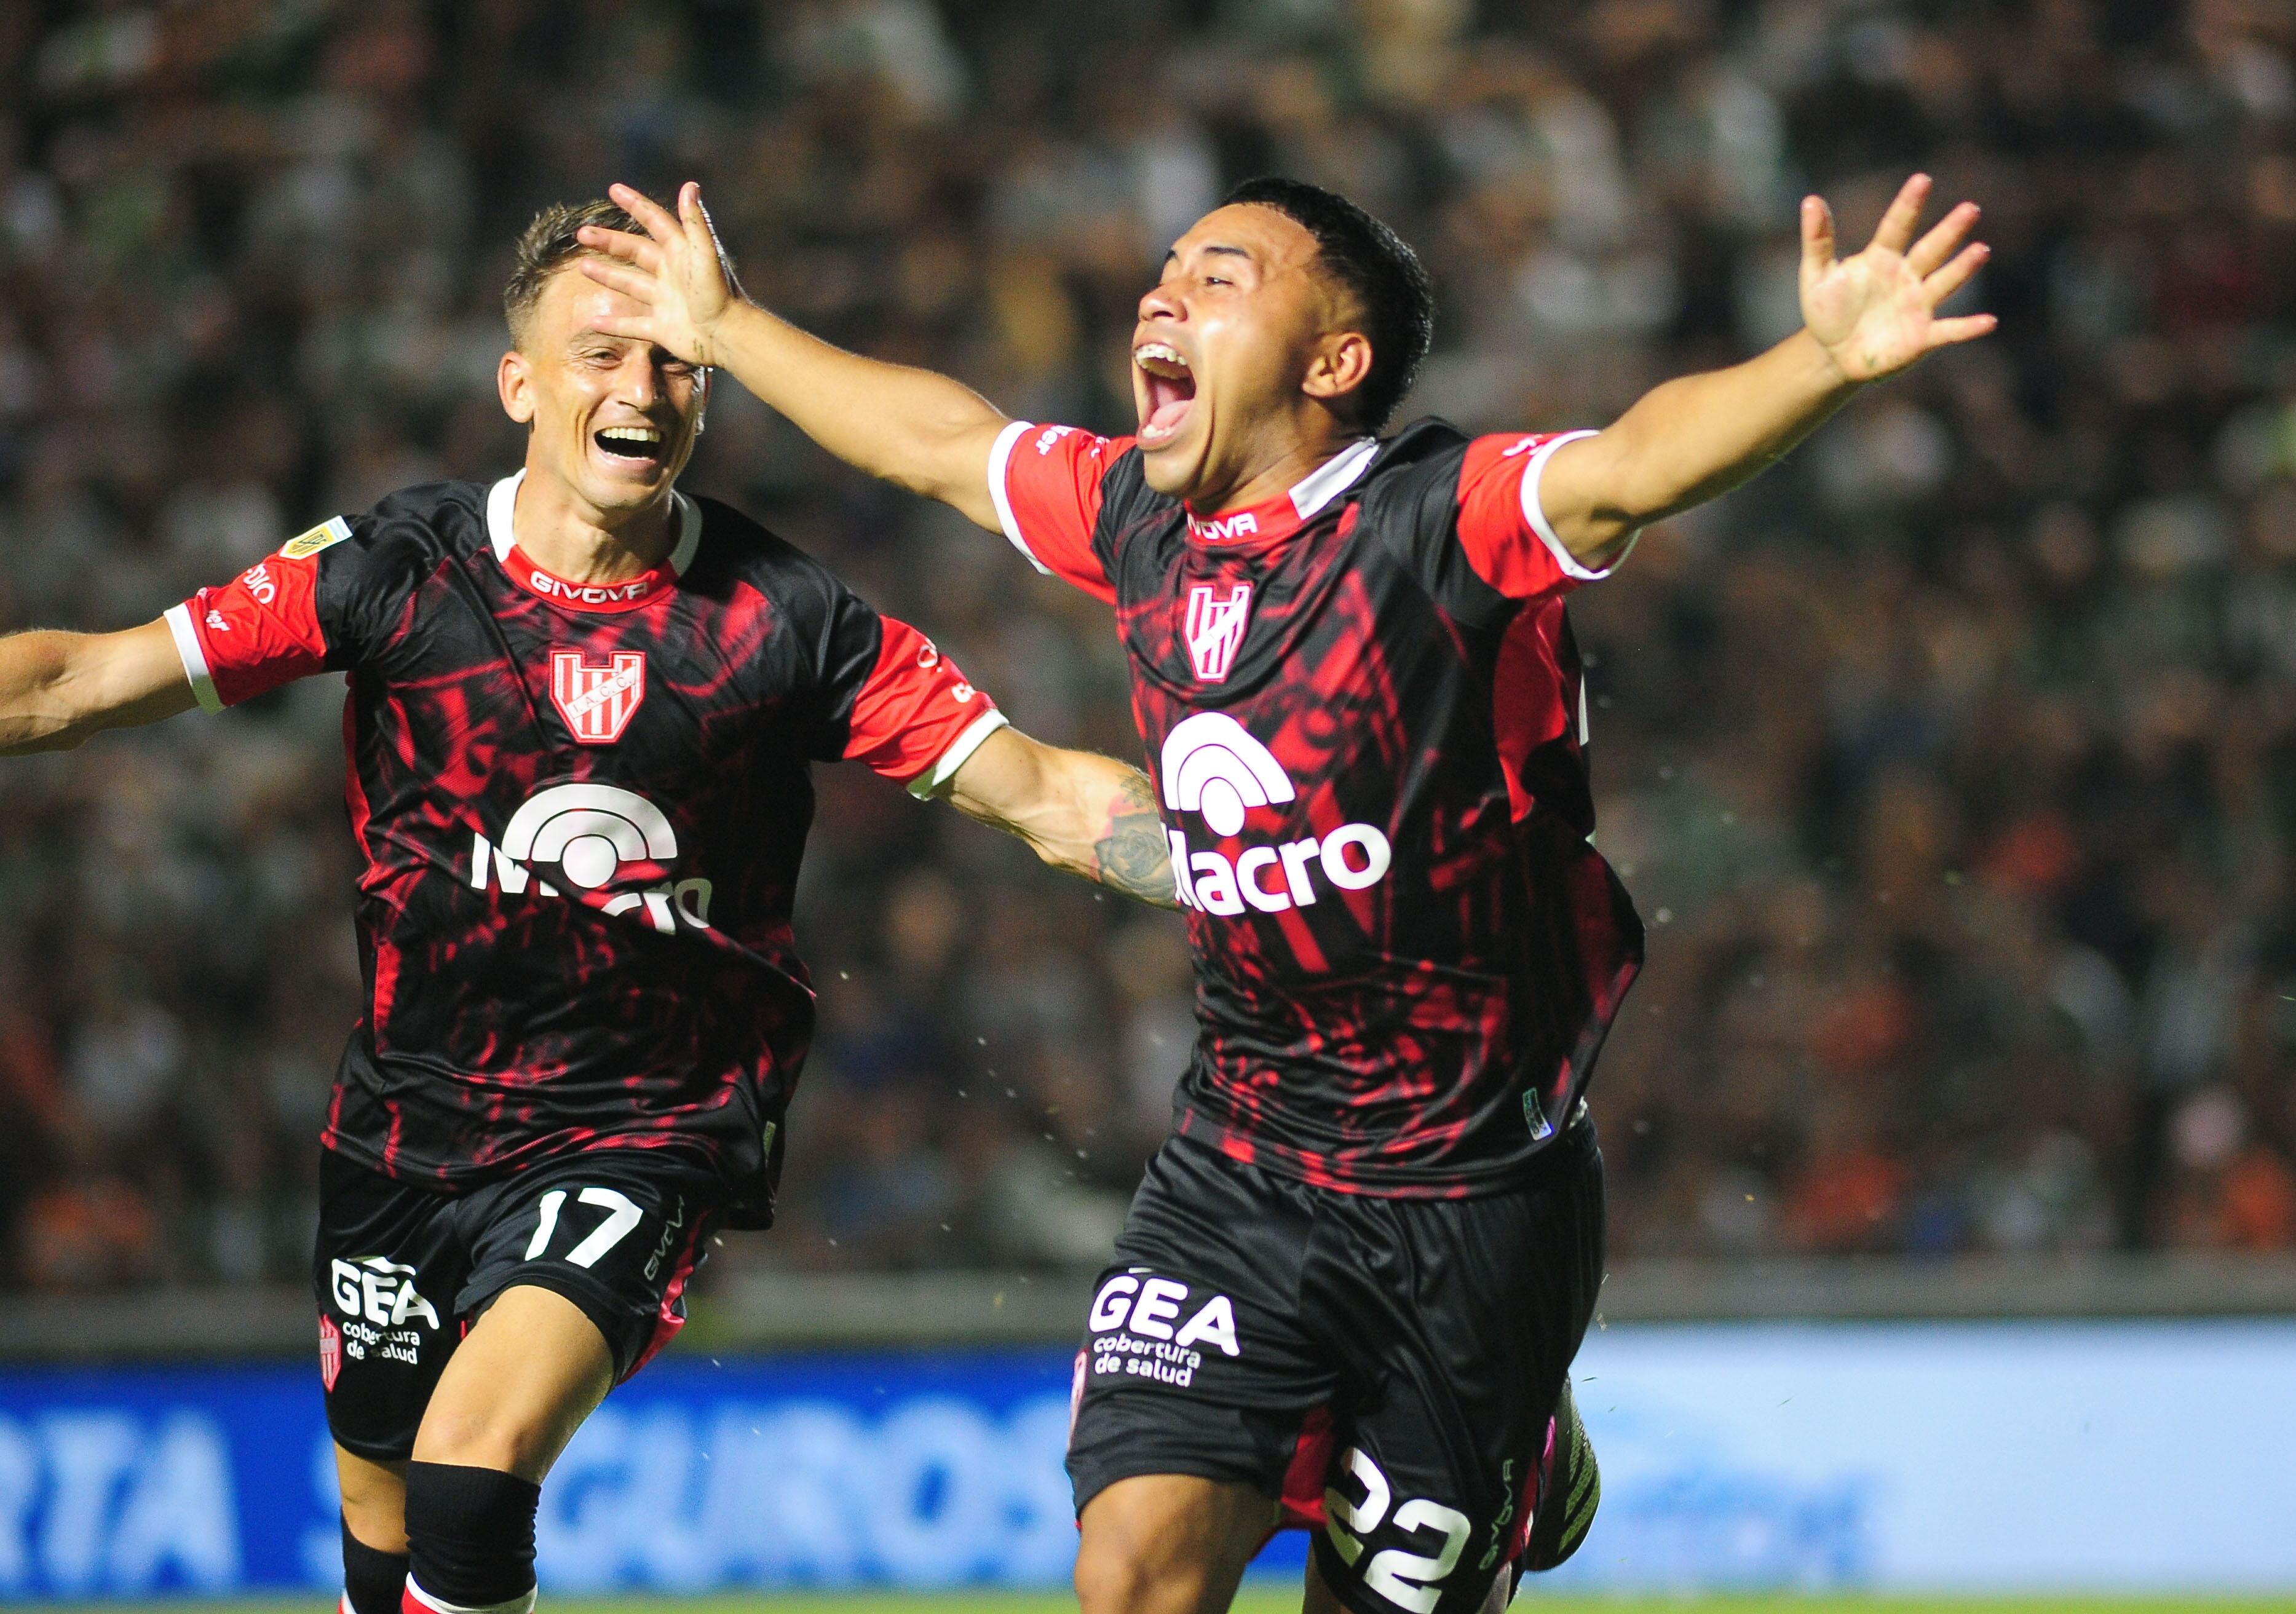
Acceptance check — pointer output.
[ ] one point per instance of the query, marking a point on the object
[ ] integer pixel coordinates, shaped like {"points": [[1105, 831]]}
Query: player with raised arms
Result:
{"points": [[582, 710], [1352, 1285]]}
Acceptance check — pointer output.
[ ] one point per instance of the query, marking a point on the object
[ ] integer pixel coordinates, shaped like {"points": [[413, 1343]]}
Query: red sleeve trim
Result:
{"points": [[256, 632], [1046, 484], [1503, 528], [916, 718]]}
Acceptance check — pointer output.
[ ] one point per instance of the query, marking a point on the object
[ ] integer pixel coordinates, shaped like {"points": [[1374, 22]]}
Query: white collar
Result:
{"points": [[501, 501], [1332, 478]]}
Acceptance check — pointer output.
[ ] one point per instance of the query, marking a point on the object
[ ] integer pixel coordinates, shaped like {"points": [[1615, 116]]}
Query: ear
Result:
{"points": [[1340, 365], [514, 384]]}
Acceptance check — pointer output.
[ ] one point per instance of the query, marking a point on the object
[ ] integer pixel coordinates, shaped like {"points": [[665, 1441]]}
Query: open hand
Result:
{"points": [[1876, 313], [676, 270]]}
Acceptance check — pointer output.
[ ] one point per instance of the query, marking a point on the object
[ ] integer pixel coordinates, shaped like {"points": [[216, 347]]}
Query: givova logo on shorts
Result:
{"points": [[1146, 1327], [1212, 766]]}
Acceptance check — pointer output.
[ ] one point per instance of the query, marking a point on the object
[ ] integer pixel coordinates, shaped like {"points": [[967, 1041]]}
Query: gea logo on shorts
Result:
{"points": [[380, 1291], [591, 834], [1138, 1330], [1211, 765]]}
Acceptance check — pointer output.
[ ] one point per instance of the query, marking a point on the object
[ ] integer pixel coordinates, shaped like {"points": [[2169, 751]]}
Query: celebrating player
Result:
{"points": [[582, 708], [1351, 1287]]}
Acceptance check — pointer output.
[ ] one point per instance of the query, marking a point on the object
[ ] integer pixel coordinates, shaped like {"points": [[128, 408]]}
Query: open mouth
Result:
{"points": [[634, 446], [1171, 391]]}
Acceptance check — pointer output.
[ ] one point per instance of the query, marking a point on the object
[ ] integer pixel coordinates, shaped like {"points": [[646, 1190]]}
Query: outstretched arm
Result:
{"points": [[57, 689], [1081, 812], [910, 427], [1865, 318]]}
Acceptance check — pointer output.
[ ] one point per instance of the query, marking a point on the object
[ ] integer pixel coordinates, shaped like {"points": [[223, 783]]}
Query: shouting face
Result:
{"points": [[1243, 358]]}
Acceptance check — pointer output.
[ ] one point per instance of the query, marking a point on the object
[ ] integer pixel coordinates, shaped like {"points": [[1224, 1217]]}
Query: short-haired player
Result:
{"points": [[1350, 1290], [582, 709]]}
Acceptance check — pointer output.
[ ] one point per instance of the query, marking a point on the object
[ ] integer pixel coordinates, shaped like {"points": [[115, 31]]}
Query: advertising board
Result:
{"points": [[1977, 1456]]}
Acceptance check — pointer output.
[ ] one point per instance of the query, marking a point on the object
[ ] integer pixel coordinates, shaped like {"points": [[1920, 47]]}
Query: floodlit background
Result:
{"points": [[1950, 763]]}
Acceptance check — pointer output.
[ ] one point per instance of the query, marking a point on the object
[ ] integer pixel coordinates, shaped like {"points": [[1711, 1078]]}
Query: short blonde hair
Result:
{"points": [[548, 245]]}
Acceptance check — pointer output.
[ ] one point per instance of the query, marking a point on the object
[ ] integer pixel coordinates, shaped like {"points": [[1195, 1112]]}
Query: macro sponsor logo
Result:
{"points": [[1212, 766], [589, 833], [1050, 436], [597, 702], [1215, 627]]}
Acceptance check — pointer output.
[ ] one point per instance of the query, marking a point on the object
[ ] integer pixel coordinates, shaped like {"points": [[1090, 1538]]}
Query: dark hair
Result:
{"points": [[548, 245], [1378, 268]]}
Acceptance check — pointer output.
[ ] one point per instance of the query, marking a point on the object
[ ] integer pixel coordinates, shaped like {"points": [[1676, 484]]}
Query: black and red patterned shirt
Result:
{"points": [[1364, 716], [582, 809]]}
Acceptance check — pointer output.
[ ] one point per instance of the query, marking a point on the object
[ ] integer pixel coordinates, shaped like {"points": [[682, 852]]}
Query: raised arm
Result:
{"points": [[1081, 812], [57, 689], [1865, 318], [910, 427]]}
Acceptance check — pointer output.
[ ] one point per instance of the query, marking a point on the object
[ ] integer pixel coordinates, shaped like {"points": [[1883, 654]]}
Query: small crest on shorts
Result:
{"points": [[597, 702], [330, 1351], [324, 535]]}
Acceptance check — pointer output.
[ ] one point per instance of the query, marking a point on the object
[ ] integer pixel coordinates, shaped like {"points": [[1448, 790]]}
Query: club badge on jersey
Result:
{"points": [[1215, 628], [597, 702]]}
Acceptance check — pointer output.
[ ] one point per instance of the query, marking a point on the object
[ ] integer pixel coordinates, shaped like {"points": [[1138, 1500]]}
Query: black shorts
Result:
{"points": [[1385, 1367], [402, 1271]]}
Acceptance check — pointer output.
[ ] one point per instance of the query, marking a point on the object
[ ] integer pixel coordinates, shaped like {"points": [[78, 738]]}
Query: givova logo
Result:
{"points": [[1214, 767], [588, 832]]}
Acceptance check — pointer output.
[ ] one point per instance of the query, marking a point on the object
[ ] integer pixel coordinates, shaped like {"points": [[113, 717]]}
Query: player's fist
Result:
{"points": [[677, 271], [1876, 313]]}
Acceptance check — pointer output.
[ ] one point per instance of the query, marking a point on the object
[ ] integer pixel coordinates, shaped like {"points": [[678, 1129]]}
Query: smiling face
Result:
{"points": [[612, 420], [1243, 359]]}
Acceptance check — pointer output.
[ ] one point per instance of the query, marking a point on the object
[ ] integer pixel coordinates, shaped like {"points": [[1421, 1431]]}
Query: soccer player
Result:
{"points": [[1351, 1284], [582, 711]]}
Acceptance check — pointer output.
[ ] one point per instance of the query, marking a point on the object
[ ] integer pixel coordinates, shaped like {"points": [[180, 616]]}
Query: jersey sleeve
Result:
{"points": [[1502, 526], [897, 703], [1046, 484], [261, 629]]}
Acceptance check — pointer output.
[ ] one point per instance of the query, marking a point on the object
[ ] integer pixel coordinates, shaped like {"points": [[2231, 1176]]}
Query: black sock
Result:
{"points": [[471, 1532], [373, 1581]]}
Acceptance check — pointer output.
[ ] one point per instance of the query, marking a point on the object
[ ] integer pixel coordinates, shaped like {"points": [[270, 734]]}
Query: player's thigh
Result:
{"points": [[532, 1367], [1461, 1319], [1168, 1543], [1194, 1363], [578, 1274], [386, 1264]]}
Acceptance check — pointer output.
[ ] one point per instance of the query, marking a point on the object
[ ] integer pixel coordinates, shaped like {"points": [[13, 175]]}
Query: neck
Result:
{"points": [[574, 539], [1272, 472]]}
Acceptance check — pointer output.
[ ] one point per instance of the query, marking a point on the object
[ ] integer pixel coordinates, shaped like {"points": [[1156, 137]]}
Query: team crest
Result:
{"points": [[597, 702], [1215, 629], [330, 1351]]}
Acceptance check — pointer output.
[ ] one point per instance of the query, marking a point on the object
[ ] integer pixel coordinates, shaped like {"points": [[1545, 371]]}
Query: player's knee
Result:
{"points": [[469, 1535], [479, 1437], [1133, 1561]]}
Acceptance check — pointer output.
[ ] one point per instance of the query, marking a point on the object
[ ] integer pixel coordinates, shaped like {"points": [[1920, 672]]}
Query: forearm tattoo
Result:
{"points": [[1134, 857]]}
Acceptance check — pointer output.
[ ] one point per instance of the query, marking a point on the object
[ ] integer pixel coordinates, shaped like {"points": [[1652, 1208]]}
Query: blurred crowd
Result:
{"points": [[1953, 763]]}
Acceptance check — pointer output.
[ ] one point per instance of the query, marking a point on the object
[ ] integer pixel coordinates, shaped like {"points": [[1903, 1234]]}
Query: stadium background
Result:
{"points": [[1951, 763]]}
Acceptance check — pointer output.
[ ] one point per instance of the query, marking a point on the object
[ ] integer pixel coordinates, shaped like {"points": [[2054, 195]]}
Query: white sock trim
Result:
{"points": [[439, 1605]]}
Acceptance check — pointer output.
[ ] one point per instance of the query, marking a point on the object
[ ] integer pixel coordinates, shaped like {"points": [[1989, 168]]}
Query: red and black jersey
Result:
{"points": [[1364, 716], [582, 809]]}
